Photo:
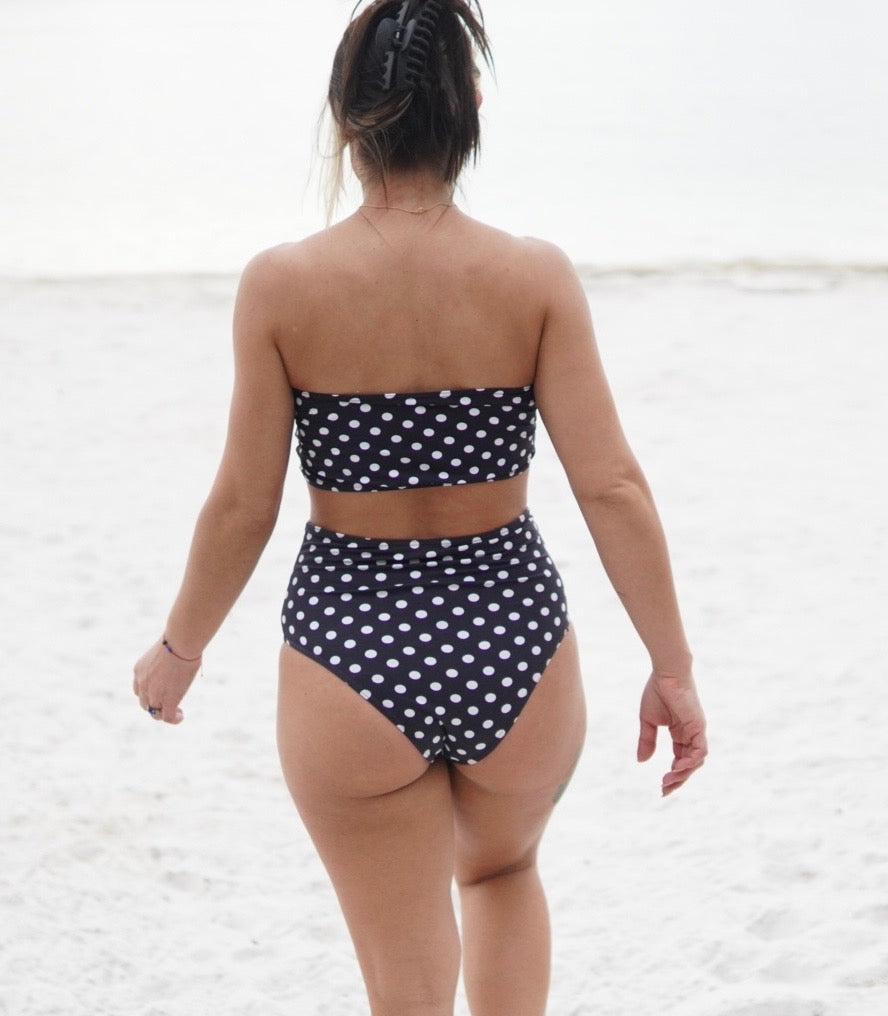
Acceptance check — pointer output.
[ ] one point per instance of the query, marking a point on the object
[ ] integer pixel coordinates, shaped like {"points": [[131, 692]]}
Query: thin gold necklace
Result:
{"points": [[409, 211]]}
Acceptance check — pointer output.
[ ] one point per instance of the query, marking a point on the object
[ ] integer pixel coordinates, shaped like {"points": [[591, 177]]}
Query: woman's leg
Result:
{"points": [[502, 805], [382, 820]]}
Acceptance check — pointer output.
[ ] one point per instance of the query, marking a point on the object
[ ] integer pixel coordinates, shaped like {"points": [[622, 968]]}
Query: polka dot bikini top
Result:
{"points": [[396, 441]]}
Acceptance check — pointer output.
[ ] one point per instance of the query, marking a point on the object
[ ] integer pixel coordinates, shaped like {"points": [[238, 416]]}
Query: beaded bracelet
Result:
{"points": [[184, 659]]}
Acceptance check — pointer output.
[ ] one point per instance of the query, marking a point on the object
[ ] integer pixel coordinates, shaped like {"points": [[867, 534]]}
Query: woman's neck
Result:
{"points": [[408, 192]]}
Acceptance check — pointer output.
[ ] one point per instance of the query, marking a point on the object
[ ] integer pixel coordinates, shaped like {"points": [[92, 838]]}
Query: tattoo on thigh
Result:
{"points": [[559, 793]]}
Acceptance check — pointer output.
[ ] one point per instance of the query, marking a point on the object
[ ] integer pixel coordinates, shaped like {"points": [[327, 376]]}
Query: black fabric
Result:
{"points": [[447, 638], [396, 441]]}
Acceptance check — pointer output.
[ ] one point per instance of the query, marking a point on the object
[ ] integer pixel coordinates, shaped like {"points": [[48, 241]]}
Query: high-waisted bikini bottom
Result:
{"points": [[447, 638]]}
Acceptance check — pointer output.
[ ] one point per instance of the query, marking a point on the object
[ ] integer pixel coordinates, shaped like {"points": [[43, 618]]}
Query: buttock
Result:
{"points": [[446, 637]]}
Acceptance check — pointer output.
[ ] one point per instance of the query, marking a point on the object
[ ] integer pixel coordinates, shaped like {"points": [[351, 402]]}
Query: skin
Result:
{"points": [[388, 301]]}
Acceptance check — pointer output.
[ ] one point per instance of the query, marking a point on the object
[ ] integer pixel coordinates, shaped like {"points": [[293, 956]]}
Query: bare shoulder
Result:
{"points": [[541, 262], [270, 266], [262, 292], [545, 254], [274, 276], [281, 261], [552, 265]]}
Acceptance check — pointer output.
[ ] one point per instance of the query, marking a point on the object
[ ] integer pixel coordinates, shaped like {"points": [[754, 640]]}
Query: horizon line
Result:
{"points": [[652, 269]]}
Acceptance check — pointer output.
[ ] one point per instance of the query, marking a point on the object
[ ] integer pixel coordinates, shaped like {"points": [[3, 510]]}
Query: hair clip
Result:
{"points": [[393, 37], [413, 64], [406, 44]]}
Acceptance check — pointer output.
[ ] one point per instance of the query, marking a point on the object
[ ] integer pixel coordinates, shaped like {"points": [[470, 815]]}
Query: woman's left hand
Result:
{"points": [[160, 682]]}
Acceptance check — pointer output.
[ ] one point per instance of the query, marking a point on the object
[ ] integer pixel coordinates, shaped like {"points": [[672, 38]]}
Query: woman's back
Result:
{"points": [[389, 301]]}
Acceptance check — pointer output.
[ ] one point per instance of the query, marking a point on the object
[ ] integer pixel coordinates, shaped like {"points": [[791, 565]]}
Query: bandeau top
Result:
{"points": [[396, 440]]}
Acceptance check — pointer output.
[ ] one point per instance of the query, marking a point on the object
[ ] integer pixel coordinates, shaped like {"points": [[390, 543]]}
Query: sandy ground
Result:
{"points": [[152, 871]]}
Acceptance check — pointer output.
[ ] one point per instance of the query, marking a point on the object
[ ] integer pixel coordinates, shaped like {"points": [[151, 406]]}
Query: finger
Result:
{"points": [[672, 781], [647, 741], [172, 714], [694, 750], [670, 788], [681, 771]]}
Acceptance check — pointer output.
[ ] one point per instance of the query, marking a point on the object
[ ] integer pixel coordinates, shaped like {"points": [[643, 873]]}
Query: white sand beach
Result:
{"points": [[158, 871]]}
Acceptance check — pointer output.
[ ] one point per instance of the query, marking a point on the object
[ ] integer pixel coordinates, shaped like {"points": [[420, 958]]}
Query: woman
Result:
{"points": [[431, 709]]}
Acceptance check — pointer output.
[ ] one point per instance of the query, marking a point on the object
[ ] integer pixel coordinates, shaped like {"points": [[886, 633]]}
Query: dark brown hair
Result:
{"points": [[431, 123]]}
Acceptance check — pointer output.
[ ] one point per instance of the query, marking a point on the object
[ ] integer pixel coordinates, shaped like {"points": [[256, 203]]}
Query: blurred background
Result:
{"points": [[180, 135]]}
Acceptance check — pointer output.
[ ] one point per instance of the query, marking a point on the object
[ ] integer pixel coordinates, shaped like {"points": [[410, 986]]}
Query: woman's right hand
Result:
{"points": [[671, 701], [160, 680]]}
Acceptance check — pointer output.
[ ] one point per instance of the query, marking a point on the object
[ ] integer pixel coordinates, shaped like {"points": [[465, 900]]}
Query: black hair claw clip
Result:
{"points": [[393, 38]]}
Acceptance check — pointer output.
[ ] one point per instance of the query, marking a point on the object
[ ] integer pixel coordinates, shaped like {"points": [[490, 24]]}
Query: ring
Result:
{"points": [[154, 710]]}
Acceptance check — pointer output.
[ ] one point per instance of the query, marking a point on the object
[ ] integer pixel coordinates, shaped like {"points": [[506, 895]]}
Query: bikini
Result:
{"points": [[447, 638]]}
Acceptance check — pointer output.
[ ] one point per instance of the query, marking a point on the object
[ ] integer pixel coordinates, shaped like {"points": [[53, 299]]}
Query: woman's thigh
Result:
{"points": [[382, 821], [503, 802]]}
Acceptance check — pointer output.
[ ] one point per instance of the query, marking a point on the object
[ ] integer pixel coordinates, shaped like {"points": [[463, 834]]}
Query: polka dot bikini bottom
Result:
{"points": [[447, 638]]}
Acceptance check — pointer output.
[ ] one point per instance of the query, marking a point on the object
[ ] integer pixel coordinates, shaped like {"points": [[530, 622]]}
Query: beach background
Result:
{"points": [[719, 178]]}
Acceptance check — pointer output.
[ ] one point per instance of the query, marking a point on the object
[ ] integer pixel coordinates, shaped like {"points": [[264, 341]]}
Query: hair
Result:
{"points": [[428, 117]]}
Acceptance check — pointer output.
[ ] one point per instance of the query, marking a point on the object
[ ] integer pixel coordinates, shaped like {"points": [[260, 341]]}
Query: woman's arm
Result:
{"points": [[578, 410], [240, 512]]}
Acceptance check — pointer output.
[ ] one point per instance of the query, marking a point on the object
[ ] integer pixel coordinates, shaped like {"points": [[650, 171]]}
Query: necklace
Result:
{"points": [[410, 211]]}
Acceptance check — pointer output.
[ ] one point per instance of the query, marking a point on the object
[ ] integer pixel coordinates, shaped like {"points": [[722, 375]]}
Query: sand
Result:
{"points": [[153, 871]]}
